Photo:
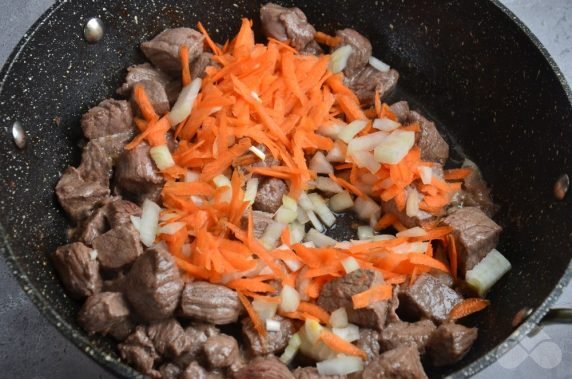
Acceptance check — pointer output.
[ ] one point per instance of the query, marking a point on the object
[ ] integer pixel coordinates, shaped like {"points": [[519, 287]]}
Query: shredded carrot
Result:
{"points": [[372, 295], [453, 257], [385, 221], [268, 299], [457, 173], [340, 345], [256, 321], [213, 46], [144, 104], [314, 310], [185, 69], [154, 134], [250, 284], [467, 307], [327, 40], [348, 186]]}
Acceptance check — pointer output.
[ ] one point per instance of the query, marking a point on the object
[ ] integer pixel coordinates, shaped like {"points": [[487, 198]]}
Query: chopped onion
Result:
{"points": [[149, 222], [305, 202], [320, 164], [272, 234], [293, 265], [378, 64], [383, 237], [350, 264], [272, 325], [412, 203], [314, 221], [319, 239], [488, 271], [192, 176], [297, 233], [395, 147], [285, 215], [184, 104], [136, 221], [289, 203], [366, 208], [364, 232], [367, 142], [338, 152], [313, 329], [197, 199], [292, 348], [222, 181], [426, 174], [171, 228], [256, 151], [325, 184], [302, 216], [341, 201], [265, 309], [93, 255], [339, 58], [251, 190], [339, 318], [350, 333], [351, 129], [413, 232], [385, 124], [341, 365], [410, 247], [322, 209], [331, 130], [365, 159], [289, 299], [162, 157]]}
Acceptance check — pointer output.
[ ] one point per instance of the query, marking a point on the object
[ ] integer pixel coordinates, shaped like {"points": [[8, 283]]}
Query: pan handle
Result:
{"points": [[557, 316]]}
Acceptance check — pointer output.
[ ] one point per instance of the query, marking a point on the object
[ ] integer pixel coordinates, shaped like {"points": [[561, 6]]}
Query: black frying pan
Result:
{"points": [[472, 65]]}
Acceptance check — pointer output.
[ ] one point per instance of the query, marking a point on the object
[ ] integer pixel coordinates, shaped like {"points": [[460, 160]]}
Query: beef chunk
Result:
{"points": [[402, 362], [273, 343], [114, 144], [401, 110], [96, 164], [198, 334], [475, 234], [116, 284], [369, 343], [405, 333], [427, 298], [392, 307], [118, 247], [449, 343], [139, 73], [137, 176], [221, 351], [286, 24], [194, 371], [210, 302], [338, 293], [119, 212], [106, 313], [369, 80], [163, 50], [312, 48], [138, 351], [169, 371], [91, 227], [78, 269], [433, 147], [361, 51], [78, 197], [157, 97], [269, 195], [154, 285], [169, 338], [260, 220], [312, 373], [108, 117], [475, 193], [263, 368], [201, 63]]}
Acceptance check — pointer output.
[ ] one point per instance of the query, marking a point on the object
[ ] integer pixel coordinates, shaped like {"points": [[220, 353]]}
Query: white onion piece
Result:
{"points": [[251, 190], [350, 264], [367, 142], [289, 203], [339, 58], [136, 221], [341, 365], [314, 221], [305, 202], [166, 216], [289, 299], [297, 233], [412, 203], [256, 151], [265, 309], [93, 255], [385, 124], [272, 234], [488, 271], [222, 181], [319, 239], [312, 329], [272, 325], [197, 199], [366, 208], [162, 157], [322, 209], [285, 215], [378, 64], [350, 333], [339, 318], [383, 237], [293, 265], [291, 350], [337, 153], [149, 222], [192, 176], [184, 104], [426, 174], [320, 164], [364, 232], [331, 130], [394, 147], [351, 129], [171, 228], [341, 201], [365, 159], [302, 216], [325, 184], [412, 232], [410, 247]]}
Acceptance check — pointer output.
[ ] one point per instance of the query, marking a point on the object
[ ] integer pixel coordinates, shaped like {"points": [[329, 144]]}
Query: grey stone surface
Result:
{"points": [[32, 348]]}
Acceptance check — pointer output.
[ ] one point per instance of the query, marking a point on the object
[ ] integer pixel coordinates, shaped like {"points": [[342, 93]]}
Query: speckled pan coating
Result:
{"points": [[474, 67]]}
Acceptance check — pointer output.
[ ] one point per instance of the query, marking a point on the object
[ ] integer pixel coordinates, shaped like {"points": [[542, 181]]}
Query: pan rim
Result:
{"points": [[118, 367]]}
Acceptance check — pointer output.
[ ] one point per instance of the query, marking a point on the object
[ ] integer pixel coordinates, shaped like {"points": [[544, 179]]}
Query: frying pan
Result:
{"points": [[472, 66]]}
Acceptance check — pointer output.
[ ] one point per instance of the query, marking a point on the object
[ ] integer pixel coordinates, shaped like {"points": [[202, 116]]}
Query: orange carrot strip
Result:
{"points": [[377, 104], [250, 284], [314, 310], [340, 345], [348, 186], [453, 257], [145, 106], [385, 221], [467, 307], [256, 296], [185, 69], [372, 295], [216, 167], [326, 39], [457, 173], [195, 271], [422, 259], [350, 108], [256, 321], [213, 46], [155, 129]]}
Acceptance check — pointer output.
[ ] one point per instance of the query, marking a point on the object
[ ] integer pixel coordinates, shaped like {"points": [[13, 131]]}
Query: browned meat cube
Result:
{"points": [[91, 227], [269, 196], [78, 269], [286, 24], [476, 193], [78, 197], [154, 285], [432, 145], [312, 373], [106, 313], [107, 118], [273, 343], [157, 97], [401, 110], [170, 371], [264, 368], [96, 165], [114, 144], [405, 333], [198, 333], [312, 48], [169, 338], [449, 343], [138, 351], [221, 351], [428, 298], [260, 220], [369, 80], [475, 233], [139, 73], [201, 63], [212, 303], [369, 343], [402, 362], [118, 247], [194, 371], [119, 211], [361, 51]]}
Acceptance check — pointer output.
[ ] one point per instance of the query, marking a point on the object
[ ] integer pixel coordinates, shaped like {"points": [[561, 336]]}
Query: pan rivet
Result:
{"points": [[561, 187], [19, 135], [93, 30]]}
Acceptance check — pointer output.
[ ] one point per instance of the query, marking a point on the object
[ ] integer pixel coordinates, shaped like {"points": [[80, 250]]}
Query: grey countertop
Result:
{"points": [[32, 348]]}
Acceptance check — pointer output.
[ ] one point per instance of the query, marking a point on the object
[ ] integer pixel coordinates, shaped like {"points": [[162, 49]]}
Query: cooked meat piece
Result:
{"points": [[273, 343], [269, 195], [361, 51], [96, 165], [476, 193], [116, 284], [286, 24], [91, 227], [369, 80], [119, 212], [221, 351], [400, 363], [200, 64], [141, 72], [392, 307], [163, 50], [106, 313], [118, 247], [169, 338], [154, 285], [401, 110], [194, 371], [369, 343], [312, 48], [113, 144], [421, 219], [475, 234], [157, 97], [260, 220], [198, 334], [432, 145], [404, 333], [78, 269], [78, 197], [170, 371], [312, 373], [138, 351], [264, 368], [443, 277], [338, 293], [108, 117], [449, 343], [210, 302], [427, 298], [137, 176]]}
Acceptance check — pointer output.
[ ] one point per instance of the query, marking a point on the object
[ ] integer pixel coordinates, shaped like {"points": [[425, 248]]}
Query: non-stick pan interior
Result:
{"points": [[469, 64]]}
